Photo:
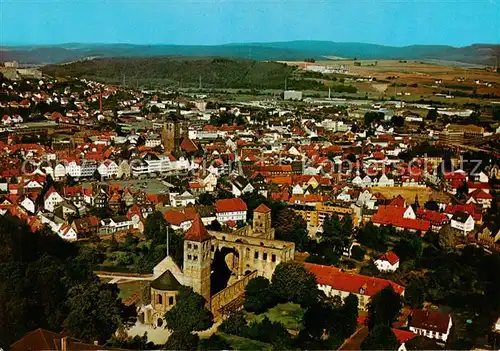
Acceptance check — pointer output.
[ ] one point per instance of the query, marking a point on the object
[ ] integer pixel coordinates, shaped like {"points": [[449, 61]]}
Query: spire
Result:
{"points": [[197, 231], [416, 201]]}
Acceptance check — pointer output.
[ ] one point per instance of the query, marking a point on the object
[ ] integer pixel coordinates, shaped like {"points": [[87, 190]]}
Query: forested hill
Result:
{"points": [[186, 72], [278, 51]]}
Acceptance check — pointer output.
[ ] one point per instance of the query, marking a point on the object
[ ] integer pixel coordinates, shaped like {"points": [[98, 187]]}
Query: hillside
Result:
{"points": [[186, 72], [277, 51]]}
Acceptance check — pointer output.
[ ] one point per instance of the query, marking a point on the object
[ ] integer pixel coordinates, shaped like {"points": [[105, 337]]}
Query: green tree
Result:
{"points": [[189, 313], [415, 293], [381, 337], [384, 307], [447, 239], [258, 295], [358, 253], [349, 315], [292, 227], [409, 247], [182, 340], [214, 342], [336, 233], [372, 116], [206, 199], [374, 237], [432, 115], [235, 324], [156, 228], [293, 282], [89, 323]]}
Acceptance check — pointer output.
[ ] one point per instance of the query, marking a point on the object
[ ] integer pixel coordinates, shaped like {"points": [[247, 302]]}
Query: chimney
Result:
{"points": [[64, 343]]}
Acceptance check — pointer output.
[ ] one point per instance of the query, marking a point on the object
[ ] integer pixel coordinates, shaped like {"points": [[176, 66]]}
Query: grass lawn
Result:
{"points": [[242, 344], [128, 289], [288, 314]]}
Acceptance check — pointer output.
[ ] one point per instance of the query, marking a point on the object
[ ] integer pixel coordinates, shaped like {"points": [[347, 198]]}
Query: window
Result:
{"points": [[189, 257], [171, 300], [265, 256], [159, 299], [195, 247], [273, 257], [256, 255], [212, 248], [195, 258], [189, 245]]}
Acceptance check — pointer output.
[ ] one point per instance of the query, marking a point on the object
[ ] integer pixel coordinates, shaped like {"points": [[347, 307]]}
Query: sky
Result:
{"points": [[210, 22]]}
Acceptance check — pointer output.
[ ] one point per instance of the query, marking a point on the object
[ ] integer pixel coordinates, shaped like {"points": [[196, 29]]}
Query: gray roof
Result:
{"points": [[166, 281]]}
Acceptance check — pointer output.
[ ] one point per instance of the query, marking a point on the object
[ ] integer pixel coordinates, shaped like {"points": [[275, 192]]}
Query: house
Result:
{"points": [[182, 200], [431, 324], [114, 224], [388, 262], [231, 210], [240, 186], [86, 226], [335, 282], [480, 197], [42, 339], [51, 199], [463, 222], [209, 182], [28, 203], [403, 336], [67, 232]]}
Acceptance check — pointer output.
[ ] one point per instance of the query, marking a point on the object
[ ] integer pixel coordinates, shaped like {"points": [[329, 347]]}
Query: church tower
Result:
{"points": [[262, 222], [197, 258]]}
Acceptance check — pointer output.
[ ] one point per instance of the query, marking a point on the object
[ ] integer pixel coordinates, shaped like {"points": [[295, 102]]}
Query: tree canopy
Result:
{"points": [[189, 313], [293, 282], [381, 337], [384, 307]]}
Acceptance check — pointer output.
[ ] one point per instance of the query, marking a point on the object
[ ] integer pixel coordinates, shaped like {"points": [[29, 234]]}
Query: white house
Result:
{"points": [[231, 210], [388, 262], [385, 181], [28, 204], [463, 222], [74, 169], [209, 182], [52, 199], [108, 169], [431, 324], [67, 232], [59, 171], [182, 200]]}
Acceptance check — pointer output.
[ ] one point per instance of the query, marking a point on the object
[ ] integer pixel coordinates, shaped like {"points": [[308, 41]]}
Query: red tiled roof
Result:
{"points": [[430, 320], [197, 231], [348, 282], [390, 257], [432, 216], [398, 201], [403, 335], [262, 209], [480, 194], [230, 205]]}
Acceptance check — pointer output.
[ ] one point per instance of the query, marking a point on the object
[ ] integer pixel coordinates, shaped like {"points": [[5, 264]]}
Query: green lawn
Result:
{"points": [[242, 344], [128, 289], [288, 314]]}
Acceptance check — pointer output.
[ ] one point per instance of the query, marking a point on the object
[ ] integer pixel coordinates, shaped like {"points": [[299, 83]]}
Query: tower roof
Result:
{"points": [[262, 209], [197, 231], [166, 281]]}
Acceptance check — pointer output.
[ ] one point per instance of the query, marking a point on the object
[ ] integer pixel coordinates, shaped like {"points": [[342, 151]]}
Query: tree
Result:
{"points": [[384, 307], [398, 121], [446, 238], [432, 115], [293, 282], [182, 340], [372, 116], [380, 338], [214, 342], [258, 295], [415, 293], [235, 324], [189, 314], [206, 199], [86, 322], [156, 228], [349, 315], [318, 320], [374, 237], [431, 205], [409, 247], [292, 227], [336, 233], [358, 253]]}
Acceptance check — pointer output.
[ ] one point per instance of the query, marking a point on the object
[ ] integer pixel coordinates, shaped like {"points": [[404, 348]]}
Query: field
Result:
{"points": [[409, 193], [418, 78], [288, 314], [243, 344]]}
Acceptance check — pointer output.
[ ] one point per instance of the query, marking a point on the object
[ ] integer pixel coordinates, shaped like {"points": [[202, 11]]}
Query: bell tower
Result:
{"points": [[262, 222], [197, 260]]}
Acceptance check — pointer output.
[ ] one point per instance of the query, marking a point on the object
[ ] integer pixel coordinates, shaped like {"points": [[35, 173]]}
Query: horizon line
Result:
{"points": [[232, 43]]}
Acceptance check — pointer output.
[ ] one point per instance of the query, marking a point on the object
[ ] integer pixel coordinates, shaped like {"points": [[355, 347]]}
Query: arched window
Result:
{"points": [[159, 299], [171, 300], [159, 322]]}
